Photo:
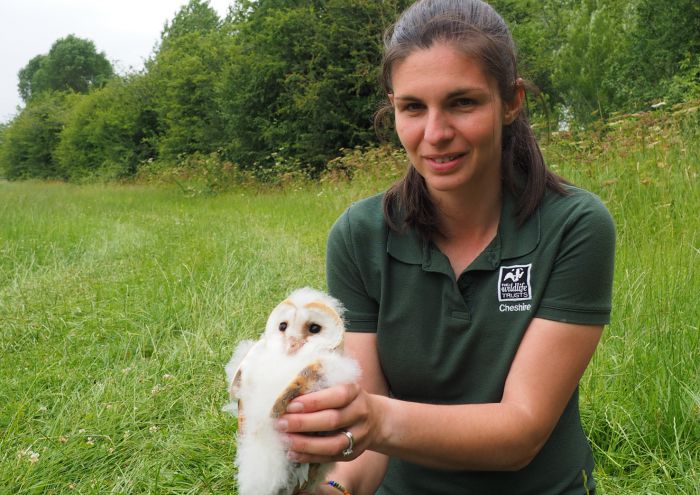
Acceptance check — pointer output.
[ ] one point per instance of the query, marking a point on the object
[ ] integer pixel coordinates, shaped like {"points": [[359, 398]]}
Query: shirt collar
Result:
{"points": [[511, 240]]}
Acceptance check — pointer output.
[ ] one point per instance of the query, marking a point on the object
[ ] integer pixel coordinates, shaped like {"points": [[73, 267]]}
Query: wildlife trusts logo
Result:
{"points": [[514, 283]]}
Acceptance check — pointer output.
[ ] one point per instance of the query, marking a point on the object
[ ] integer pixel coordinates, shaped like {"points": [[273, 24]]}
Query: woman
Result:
{"points": [[476, 288]]}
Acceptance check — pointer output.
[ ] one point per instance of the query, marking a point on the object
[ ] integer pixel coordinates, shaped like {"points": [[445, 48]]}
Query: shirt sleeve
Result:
{"points": [[345, 279], [579, 289]]}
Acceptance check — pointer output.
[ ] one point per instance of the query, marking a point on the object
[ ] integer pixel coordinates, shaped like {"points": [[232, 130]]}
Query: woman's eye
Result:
{"points": [[314, 328], [465, 102], [412, 107]]}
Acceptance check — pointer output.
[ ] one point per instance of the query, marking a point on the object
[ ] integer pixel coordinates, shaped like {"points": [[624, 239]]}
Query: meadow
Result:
{"points": [[120, 305]]}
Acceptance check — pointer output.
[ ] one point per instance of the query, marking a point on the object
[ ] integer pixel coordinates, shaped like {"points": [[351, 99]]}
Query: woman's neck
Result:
{"points": [[467, 215], [468, 224]]}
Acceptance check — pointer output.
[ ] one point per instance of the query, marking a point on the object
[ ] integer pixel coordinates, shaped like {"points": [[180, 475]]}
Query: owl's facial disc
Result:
{"points": [[306, 319]]}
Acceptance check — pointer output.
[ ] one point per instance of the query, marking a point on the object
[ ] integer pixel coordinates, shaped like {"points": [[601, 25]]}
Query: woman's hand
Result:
{"points": [[331, 412], [354, 408]]}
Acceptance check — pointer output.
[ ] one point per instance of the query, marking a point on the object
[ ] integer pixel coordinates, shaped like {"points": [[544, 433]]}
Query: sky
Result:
{"points": [[125, 30]]}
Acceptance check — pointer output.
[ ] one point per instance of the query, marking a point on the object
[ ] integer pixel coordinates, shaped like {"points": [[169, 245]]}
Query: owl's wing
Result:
{"points": [[306, 381], [309, 379], [236, 363], [329, 369], [233, 372]]}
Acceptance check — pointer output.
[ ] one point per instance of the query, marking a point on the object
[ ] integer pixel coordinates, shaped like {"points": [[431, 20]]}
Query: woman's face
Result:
{"points": [[449, 118]]}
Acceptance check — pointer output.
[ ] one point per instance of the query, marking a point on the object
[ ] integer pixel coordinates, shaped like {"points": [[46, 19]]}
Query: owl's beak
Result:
{"points": [[294, 345]]}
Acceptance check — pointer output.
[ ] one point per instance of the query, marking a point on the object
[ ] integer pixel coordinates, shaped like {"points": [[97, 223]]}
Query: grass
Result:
{"points": [[119, 306], [641, 396]]}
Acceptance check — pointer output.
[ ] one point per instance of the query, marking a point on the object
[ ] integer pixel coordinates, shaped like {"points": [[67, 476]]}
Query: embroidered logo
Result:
{"points": [[514, 283]]}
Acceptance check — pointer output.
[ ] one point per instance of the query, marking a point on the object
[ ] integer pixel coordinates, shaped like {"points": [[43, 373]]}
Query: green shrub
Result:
{"points": [[108, 132], [31, 138]]}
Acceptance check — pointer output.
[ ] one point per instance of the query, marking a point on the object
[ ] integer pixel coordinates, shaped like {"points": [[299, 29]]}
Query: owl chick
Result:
{"points": [[299, 352]]}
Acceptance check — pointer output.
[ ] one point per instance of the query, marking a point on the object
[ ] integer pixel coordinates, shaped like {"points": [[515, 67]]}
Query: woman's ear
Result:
{"points": [[514, 106], [390, 96]]}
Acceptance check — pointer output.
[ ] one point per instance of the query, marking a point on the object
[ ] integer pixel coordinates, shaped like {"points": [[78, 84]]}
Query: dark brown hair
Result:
{"points": [[475, 28]]}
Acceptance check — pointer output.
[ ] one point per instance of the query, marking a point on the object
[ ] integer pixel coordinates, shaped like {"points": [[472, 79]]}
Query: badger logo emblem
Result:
{"points": [[514, 283], [514, 276]]}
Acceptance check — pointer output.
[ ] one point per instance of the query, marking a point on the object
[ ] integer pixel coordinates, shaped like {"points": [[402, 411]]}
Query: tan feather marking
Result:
{"points": [[236, 382], [325, 308], [299, 386], [234, 389], [241, 417], [294, 345], [330, 311]]}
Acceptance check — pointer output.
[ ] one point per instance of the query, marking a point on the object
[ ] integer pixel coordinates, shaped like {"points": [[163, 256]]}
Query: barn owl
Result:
{"points": [[300, 351]]}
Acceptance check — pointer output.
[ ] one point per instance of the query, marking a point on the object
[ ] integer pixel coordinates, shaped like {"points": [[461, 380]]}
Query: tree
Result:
{"points": [[302, 83], [30, 140], [590, 68], [185, 73], [32, 77], [538, 28], [667, 43], [109, 131], [72, 64], [195, 17]]}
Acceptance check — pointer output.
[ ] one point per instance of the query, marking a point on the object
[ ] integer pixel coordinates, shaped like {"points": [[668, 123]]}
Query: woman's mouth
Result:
{"points": [[444, 163]]}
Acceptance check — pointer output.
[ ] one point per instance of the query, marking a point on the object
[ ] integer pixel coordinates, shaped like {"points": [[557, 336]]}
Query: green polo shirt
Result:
{"points": [[451, 341]]}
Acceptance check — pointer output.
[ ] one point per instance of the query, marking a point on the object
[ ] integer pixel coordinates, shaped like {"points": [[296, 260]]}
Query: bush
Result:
{"points": [[30, 140], [302, 82], [108, 132]]}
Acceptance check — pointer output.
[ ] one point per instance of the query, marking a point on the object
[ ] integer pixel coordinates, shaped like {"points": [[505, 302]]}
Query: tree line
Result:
{"points": [[283, 85]]}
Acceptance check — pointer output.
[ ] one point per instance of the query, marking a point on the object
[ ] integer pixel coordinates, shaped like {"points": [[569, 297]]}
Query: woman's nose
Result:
{"points": [[438, 127]]}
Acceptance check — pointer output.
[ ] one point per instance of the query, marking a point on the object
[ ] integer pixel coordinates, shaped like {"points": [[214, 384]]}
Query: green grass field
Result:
{"points": [[119, 306]]}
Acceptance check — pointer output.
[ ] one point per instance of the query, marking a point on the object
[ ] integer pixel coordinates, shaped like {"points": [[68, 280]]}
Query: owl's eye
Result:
{"points": [[314, 328], [283, 326]]}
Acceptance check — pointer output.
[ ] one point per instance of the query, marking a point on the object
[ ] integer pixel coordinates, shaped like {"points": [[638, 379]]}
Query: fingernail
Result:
{"points": [[293, 456], [286, 441], [295, 407], [281, 425]]}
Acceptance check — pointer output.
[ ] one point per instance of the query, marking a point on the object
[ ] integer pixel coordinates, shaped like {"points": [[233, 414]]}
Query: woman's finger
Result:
{"points": [[330, 398], [321, 421], [319, 449]]}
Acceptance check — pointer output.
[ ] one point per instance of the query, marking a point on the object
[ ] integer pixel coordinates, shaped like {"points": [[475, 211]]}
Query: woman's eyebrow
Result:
{"points": [[452, 94], [465, 91], [406, 97]]}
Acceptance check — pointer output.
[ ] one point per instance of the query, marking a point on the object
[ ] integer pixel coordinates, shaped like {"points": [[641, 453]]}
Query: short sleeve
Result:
{"points": [[345, 278], [579, 289]]}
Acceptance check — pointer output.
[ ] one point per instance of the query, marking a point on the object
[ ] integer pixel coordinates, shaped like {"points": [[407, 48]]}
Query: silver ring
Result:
{"points": [[351, 443]]}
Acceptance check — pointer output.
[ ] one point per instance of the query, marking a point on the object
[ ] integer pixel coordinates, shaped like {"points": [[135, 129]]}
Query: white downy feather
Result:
{"points": [[263, 468]]}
